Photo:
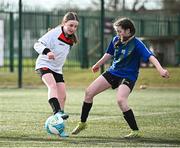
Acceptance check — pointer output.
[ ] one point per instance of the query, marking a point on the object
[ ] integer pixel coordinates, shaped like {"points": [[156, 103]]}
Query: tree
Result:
{"points": [[116, 5], [172, 6]]}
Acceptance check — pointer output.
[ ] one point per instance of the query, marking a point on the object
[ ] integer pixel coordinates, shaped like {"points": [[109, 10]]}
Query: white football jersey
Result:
{"points": [[60, 45]]}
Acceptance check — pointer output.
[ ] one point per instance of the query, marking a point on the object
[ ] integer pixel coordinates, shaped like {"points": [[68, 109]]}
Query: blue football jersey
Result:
{"points": [[127, 57]]}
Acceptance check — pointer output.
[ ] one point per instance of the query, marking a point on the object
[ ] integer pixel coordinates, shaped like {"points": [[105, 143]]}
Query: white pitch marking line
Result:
{"points": [[145, 114]]}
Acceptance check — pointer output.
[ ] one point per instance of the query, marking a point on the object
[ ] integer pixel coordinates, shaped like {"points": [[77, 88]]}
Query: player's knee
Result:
{"points": [[64, 97], [121, 101], [52, 86], [88, 95]]}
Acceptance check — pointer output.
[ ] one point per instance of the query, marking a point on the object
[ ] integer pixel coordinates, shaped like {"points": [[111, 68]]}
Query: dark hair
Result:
{"points": [[125, 24], [71, 16]]}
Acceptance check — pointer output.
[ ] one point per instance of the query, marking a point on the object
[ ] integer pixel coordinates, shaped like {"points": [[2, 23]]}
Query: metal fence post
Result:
{"points": [[84, 54], [47, 21], [142, 27], [20, 46], [11, 42], [102, 32]]}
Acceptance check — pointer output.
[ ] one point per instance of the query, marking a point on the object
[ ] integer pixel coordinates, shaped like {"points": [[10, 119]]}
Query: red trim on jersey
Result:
{"points": [[44, 68], [65, 39]]}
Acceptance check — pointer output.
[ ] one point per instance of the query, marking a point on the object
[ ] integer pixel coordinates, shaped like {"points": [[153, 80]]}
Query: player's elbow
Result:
{"points": [[36, 45]]}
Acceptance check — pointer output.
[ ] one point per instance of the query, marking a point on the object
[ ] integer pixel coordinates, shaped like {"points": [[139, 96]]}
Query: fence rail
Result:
{"points": [[88, 50]]}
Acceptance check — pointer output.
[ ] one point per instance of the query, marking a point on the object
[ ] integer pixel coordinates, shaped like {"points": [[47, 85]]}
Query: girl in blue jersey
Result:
{"points": [[127, 52], [53, 48]]}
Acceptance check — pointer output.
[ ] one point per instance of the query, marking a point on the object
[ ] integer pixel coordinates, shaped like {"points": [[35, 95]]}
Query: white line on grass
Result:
{"points": [[115, 116]]}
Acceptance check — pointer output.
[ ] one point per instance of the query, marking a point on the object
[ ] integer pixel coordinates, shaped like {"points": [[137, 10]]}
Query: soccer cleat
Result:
{"points": [[81, 126], [62, 115], [134, 134], [63, 135]]}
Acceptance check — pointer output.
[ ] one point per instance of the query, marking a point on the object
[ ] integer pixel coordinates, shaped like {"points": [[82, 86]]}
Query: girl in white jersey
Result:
{"points": [[53, 48]]}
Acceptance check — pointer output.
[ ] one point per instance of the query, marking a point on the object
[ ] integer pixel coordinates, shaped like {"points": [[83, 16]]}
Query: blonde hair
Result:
{"points": [[70, 16]]}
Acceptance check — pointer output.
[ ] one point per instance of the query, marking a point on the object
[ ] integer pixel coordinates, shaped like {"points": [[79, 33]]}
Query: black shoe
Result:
{"points": [[63, 115]]}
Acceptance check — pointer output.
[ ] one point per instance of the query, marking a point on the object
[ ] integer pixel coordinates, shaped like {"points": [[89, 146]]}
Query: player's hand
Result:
{"points": [[164, 73], [51, 55], [95, 68]]}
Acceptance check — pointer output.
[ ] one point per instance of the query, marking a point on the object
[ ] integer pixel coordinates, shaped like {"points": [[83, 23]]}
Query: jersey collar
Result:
{"points": [[66, 39]]}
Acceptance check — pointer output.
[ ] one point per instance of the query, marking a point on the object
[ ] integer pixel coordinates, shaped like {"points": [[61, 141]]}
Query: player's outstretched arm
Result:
{"points": [[105, 58], [163, 72]]}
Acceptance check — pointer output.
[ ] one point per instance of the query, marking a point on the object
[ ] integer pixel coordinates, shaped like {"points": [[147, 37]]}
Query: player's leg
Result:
{"points": [[96, 87], [122, 99], [61, 91], [50, 82]]}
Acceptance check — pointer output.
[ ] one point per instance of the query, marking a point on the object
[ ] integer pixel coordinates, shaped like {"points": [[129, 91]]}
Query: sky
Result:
{"points": [[83, 4], [49, 4]]}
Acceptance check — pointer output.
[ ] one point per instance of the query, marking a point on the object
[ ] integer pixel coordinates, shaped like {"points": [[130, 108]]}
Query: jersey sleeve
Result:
{"points": [[144, 52], [43, 42]]}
